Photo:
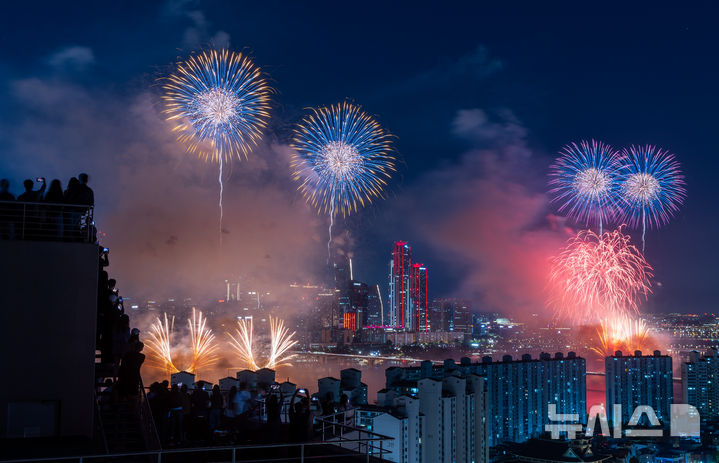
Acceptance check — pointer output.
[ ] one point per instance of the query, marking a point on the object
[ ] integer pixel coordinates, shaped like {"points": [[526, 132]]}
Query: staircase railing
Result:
{"points": [[100, 426], [147, 423]]}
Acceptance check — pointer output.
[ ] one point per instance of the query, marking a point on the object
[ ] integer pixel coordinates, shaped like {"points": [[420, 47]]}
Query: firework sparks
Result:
{"points": [[624, 333], [243, 344], [342, 159], [202, 343], [652, 187], [219, 99], [281, 343], [598, 276], [218, 102], [160, 344], [584, 180]]}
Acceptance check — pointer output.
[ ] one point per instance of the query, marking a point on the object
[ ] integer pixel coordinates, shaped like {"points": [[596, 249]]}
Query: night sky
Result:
{"points": [[480, 98]]}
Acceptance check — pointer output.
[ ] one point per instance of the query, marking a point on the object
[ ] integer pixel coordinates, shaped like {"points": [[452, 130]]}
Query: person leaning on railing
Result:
{"points": [[7, 211]]}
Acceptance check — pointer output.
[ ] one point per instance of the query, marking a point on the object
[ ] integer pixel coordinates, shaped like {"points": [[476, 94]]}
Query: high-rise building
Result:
{"points": [[440, 321], [399, 286], [518, 392], [450, 314], [353, 301], [637, 380], [375, 307], [434, 418], [418, 297], [700, 384], [342, 271]]}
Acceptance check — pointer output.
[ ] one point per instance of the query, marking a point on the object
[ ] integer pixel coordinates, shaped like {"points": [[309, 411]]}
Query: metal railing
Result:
{"points": [[46, 222], [147, 422], [340, 429], [236, 452]]}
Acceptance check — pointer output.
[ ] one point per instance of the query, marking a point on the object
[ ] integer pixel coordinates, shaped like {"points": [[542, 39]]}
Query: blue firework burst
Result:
{"points": [[219, 103], [342, 158], [584, 180]]}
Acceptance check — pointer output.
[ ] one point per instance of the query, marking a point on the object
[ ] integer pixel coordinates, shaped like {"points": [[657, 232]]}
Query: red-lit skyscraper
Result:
{"points": [[418, 297], [400, 310]]}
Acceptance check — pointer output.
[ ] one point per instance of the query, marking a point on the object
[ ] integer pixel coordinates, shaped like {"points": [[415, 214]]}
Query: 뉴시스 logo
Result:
{"points": [[684, 422]]}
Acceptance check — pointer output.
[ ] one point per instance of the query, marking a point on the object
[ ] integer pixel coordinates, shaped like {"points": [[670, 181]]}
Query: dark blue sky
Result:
{"points": [[623, 73]]}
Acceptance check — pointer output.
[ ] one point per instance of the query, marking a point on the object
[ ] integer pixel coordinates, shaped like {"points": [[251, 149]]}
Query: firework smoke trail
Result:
{"points": [[342, 159], [281, 342], [202, 342], [623, 333], [218, 102], [242, 343], [329, 241], [652, 187], [222, 188], [598, 276], [160, 342], [585, 181]]}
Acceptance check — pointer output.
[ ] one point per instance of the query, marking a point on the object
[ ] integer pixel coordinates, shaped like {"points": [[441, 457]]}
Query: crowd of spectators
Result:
{"points": [[120, 347], [48, 213], [203, 415]]}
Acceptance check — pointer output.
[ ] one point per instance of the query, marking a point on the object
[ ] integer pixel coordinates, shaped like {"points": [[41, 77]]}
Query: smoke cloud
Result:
{"points": [[488, 215], [157, 206]]}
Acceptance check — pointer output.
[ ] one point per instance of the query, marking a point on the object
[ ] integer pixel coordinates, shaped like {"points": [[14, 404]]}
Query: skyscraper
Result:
{"points": [[639, 380], [399, 286], [418, 297], [375, 307], [700, 384], [449, 314]]}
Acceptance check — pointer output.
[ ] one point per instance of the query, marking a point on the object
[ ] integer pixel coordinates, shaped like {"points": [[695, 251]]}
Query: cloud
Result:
{"points": [[72, 57], [198, 34], [157, 204], [473, 66], [486, 215]]}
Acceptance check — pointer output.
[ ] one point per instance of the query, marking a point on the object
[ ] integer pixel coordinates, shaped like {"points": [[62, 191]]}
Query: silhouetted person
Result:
{"points": [[8, 212], [29, 214], [176, 415], [186, 409], [327, 404], [5, 194], [120, 337], [71, 191], [30, 195], [217, 405], [85, 195], [273, 406], [128, 377], [300, 416], [53, 211], [73, 215], [200, 408]]}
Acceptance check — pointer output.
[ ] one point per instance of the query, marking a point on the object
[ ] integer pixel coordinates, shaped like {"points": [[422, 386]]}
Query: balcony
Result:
{"points": [[47, 222]]}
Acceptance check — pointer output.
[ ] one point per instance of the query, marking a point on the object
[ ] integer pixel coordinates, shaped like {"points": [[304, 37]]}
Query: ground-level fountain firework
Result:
{"points": [[281, 342], [201, 351], [623, 333]]}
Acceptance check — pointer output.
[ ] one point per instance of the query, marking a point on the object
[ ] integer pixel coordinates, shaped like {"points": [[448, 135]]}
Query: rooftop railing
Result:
{"points": [[367, 449], [46, 222]]}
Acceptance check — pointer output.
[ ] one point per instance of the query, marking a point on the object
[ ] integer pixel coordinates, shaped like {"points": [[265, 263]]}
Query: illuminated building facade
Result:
{"points": [[700, 384], [375, 307], [517, 392], [399, 286], [639, 380], [449, 314], [418, 297]]}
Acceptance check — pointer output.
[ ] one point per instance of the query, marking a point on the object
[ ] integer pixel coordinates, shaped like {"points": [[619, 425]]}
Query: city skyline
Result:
{"points": [[484, 162]]}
